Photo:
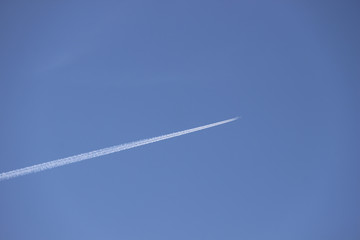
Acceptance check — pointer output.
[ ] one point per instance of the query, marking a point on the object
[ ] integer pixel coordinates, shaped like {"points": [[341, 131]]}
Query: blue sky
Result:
{"points": [[77, 76]]}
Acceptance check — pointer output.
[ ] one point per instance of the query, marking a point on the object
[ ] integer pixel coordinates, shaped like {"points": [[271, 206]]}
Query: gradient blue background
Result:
{"points": [[82, 75]]}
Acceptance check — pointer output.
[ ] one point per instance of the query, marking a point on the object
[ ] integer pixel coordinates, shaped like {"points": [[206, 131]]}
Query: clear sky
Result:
{"points": [[77, 76]]}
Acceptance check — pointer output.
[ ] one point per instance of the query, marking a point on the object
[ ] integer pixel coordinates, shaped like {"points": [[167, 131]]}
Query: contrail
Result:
{"points": [[101, 152]]}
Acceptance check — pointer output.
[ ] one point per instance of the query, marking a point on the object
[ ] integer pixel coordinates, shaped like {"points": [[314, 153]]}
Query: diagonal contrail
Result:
{"points": [[101, 152]]}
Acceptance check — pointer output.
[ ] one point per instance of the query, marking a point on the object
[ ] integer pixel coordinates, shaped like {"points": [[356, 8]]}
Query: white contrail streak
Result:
{"points": [[101, 152]]}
